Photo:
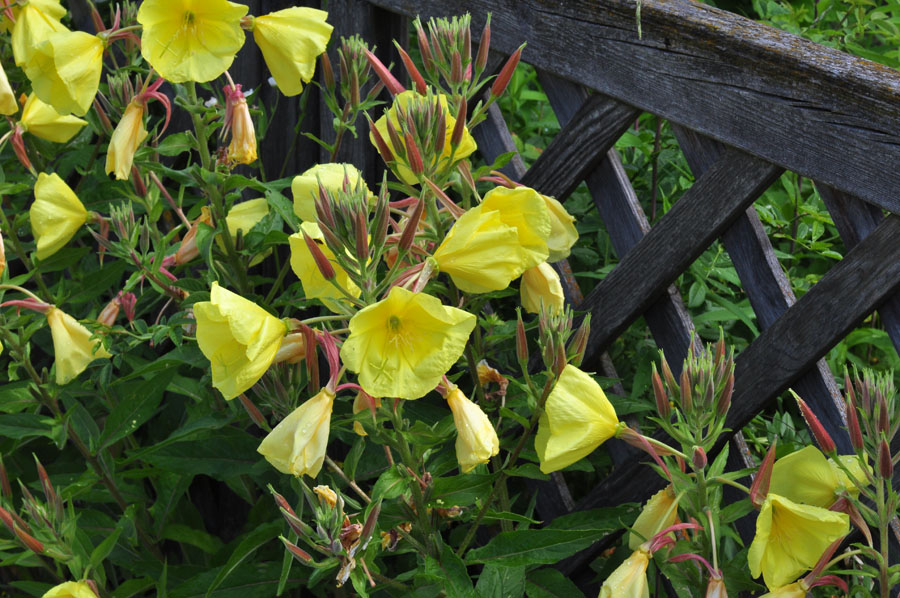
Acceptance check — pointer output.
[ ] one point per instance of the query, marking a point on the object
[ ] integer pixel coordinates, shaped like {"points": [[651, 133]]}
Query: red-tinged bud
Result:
{"points": [[255, 415], [506, 73], [312, 358], [885, 463], [760, 487], [7, 520], [424, 47], [93, 586], [638, 440], [362, 236], [521, 340], [844, 505], [414, 74], [459, 127], [856, 437], [439, 139], [137, 181], [823, 438], [448, 203], [297, 552], [708, 394], [390, 82], [327, 72], [698, 458], [456, 72], [724, 402], [322, 262], [674, 388], [109, 313], [866, 399], [579, 342], [20, 523], [46, 485], [386, 154], [659, 393], [413, 156], [394, 137], [827, 580], [281, 501], [354, 89], [559, 361], [369, 527], [412, 227], [687, 401], [5, 488], [18, 144], [30, 542], [884, 417], [127, 300], [104, 118]]}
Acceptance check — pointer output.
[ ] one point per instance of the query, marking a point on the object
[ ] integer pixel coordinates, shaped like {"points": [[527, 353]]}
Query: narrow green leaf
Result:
{"points": [[193, 536], [550, 583], [533, 547], [248, 546], [135, 408], [104, 548], [501, 582]]}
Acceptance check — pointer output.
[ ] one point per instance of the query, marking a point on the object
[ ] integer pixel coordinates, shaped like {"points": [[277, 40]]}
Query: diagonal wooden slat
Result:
{"points": [[768, 288]]}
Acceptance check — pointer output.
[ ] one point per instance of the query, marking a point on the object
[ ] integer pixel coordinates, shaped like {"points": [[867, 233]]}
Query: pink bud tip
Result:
{"points": [[823, 438], [390, 82]]}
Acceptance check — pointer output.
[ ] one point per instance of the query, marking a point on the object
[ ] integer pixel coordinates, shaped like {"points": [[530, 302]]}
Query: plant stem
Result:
{"points": [[23, 257], [340, 472], [418, 497]]}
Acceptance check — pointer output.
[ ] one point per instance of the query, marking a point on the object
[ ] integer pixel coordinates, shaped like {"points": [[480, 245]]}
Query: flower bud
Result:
{"points": [[30, 542], [579, 342], [322, 262], [255, 415], [521, 340], [687, 401], [823, 438], [483, 46], [188, 249], [884, 417], [724, 401], [698, 458], [127, 301], [5, 489], [414, 73], [460, 126], [292, 349], [390, 82], [109, 313], [242, 149], [506, 73], [456, 72], [716, 588], [327, 72], [424, 46], [297, 552], [885, 463], [412, 227], [760, 487], [414, 157]]}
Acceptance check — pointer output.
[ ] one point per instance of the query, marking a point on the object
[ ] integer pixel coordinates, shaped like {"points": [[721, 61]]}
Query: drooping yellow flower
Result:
{"points": [[125, 140], [191, 40], [239, 338], [541, 285], [790, 538], [291, 40], [807, 477], [35, 22], [71, 589], [56, 214], [577, 419], [476, 439], [297, 445], [242, 148], [42, 120], [72, 346], [794, 590], [65, 71], [305, 187], [660, 512], [629, 580], [442, 164], [563, 233], [402, 345], [314, 284], [524, 209], [8, 104]]}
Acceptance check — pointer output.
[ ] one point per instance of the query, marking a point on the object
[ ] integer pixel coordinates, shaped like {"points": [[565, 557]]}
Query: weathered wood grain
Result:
{"points": [[812, 109]]}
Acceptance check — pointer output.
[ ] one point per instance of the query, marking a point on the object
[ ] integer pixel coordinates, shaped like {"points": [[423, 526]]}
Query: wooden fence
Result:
{"points": [[746, 102]]}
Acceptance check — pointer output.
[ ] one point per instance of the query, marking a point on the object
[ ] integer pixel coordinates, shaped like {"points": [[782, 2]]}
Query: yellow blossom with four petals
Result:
{"points": [[290, 41], [71, 589]]}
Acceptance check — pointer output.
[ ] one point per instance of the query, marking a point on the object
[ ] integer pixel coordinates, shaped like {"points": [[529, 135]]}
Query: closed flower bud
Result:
{"points": [[72, 346], [521, 340], [297, 445], [823, 438], [292, 349], [659, 394], [71, 589], [109, 313], [698, 458], [885, 463], [65, 70], [506, 73], [125, 140], [308, 268], [56, 214], [658, 513], [476, 439], [329, 176], [297, 552], [290, 41]]}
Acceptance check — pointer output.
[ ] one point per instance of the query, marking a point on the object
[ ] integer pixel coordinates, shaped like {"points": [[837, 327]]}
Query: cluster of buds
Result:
{"points": [[334, 535], [554, 332], [873, 417], [355, 72], [701, 398]]}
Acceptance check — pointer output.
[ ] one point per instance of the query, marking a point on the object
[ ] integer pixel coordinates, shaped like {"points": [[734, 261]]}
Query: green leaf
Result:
{"points": [[193, 536], [136, 407], [451, 572], [550, 583], [601, 520], [25, 425], [104, 548], [461, 490], [253, 580], [228, 453], [133, 586], [533, 547], [176, 143], [390, 485], [507, 516], [528, 470], [248, 546], [501, 582]]}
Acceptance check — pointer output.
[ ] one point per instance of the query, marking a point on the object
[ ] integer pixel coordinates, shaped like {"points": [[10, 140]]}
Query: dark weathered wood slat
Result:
{"points": [[702, 213], [768, 288], [812, 109], [493, 139]]}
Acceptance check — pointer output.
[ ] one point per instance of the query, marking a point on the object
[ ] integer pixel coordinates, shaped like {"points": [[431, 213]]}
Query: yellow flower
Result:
{"points": [[496, 241], [35, 22], [326, 494], [291, 40], [42, 120], [794, 590], [188, 249], [790, 538], [562, 230], [239, 338], [541, 284], [56, 214], [72, 345], [577, 419], [476, 439], [242, 149], [402, 345], [65, 71], [305, 187], [442, 163], [314, 284], [363, 402], [71, 589], [245, 215], [660, 512], [8, 104], [629, 580], [297, 445], [807, 477], [191, 40], [125, 140]]}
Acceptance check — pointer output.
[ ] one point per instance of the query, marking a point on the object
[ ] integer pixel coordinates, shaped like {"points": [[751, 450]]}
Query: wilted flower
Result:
{"points": [[191, 40], [629, 580], [42, 120], [297, 445], [305, 187], [72, 345], [290, 41], [126, 139], [8, 104], [541, 285], [65, 70], [56, 214], [71, 589], [577, 419], [363, 402], [326, 494], [239, 338], [659, 513], [35, 22], [476, 439], [402, 345], [315, 286], [242, 149], [790, 538], [188, 249]]}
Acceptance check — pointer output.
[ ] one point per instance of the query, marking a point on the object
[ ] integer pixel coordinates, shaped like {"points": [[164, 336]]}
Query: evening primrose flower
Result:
{"points": [[42, 120], [71, 589], [305, 187], [239, 338], [659, 513], [790, 538], [35, 22], [795, 590], [126, 139], [8, 104], [562, 230], [808, 477], [629, 580], [315, 286], [577, 419], [245, 215], [541, 285], [290, 41], [56, 214], [242, 149], [72, 346], [402, 345], [65, 70], [191, 40], [297, 445], [476, 439]]}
